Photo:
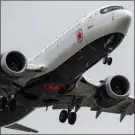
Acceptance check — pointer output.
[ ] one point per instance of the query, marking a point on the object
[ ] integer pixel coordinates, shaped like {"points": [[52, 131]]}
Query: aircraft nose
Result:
{"points": [[127, 16], [123, 21]]}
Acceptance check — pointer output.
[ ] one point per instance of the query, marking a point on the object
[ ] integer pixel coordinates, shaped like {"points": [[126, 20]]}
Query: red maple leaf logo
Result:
{"points": [[79, 35], [52, 87]]}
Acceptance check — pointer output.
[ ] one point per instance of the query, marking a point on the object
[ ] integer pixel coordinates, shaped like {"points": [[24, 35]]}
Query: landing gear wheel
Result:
{"points": [[63, 116], [3, 102], [109, 61], [12, 105], [72, 118], [105, 60]]}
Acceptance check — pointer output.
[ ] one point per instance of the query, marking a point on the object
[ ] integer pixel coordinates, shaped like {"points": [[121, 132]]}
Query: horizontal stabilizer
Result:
{"points": [[20, 127]]}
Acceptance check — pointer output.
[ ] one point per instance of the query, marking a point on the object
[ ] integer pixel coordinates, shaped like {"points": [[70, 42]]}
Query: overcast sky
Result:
{"points": [[29, 26]]}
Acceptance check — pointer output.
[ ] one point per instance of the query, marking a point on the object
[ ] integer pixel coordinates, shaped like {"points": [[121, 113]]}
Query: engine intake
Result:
{"points": [[13, 63], [114, 90], [117, 87]]}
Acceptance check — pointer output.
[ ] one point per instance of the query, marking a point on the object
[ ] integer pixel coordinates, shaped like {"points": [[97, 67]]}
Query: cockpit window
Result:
{"points": [[117, 7], [109, 9]]}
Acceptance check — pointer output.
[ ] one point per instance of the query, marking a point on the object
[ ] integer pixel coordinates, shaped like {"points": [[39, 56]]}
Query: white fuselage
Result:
{"points": [[93, 26]]}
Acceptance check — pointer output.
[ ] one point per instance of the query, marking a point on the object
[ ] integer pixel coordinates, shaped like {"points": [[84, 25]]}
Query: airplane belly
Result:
{"points": [[68, 73], [86, 57]]}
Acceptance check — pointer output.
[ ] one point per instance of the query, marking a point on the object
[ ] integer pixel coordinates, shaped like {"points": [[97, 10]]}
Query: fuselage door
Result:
{"points": [[90, 22]]}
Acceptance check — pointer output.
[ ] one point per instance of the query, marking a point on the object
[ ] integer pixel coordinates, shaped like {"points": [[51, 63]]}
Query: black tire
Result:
{"points": [[109, 61], [12, 105], [3, 102], [63, 116], [72, 118], [105, 60]]}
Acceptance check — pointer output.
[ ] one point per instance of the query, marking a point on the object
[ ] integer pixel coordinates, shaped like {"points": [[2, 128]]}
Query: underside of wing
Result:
{"points": [[124, 108], [107, 96]]}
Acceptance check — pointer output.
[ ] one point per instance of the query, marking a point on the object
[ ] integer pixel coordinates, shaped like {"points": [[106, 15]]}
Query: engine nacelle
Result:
{"points": [[13, 63], [114, 90], [117, 87]]}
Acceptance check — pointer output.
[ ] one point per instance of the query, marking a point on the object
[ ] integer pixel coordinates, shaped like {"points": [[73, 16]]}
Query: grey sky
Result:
{"points": [[29, 26]]}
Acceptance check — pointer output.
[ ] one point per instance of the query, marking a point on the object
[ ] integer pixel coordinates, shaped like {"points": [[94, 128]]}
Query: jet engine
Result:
{"points": [[114, 90], [13, 63]]}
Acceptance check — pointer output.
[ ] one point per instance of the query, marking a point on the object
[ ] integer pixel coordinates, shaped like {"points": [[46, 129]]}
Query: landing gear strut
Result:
{"points": [[107, 60], [3, 103], [71, 116], [10, 103]]}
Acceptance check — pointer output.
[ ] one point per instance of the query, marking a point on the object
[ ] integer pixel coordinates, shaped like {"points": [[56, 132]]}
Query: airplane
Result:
{"points": [[54, 76]]}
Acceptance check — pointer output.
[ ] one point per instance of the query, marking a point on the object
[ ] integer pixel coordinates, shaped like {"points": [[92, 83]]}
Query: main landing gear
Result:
{"points": [[71, 116], [10, 103], [107, 60], [3, 102]]}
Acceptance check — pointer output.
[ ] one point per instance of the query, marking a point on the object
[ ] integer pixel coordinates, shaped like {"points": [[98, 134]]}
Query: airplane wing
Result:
{"points": [[89, 89], [20, 127], [124, 108]]}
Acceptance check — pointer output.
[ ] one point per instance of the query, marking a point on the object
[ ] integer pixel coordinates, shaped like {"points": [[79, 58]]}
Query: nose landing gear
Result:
{"points": [[109, 46]]}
